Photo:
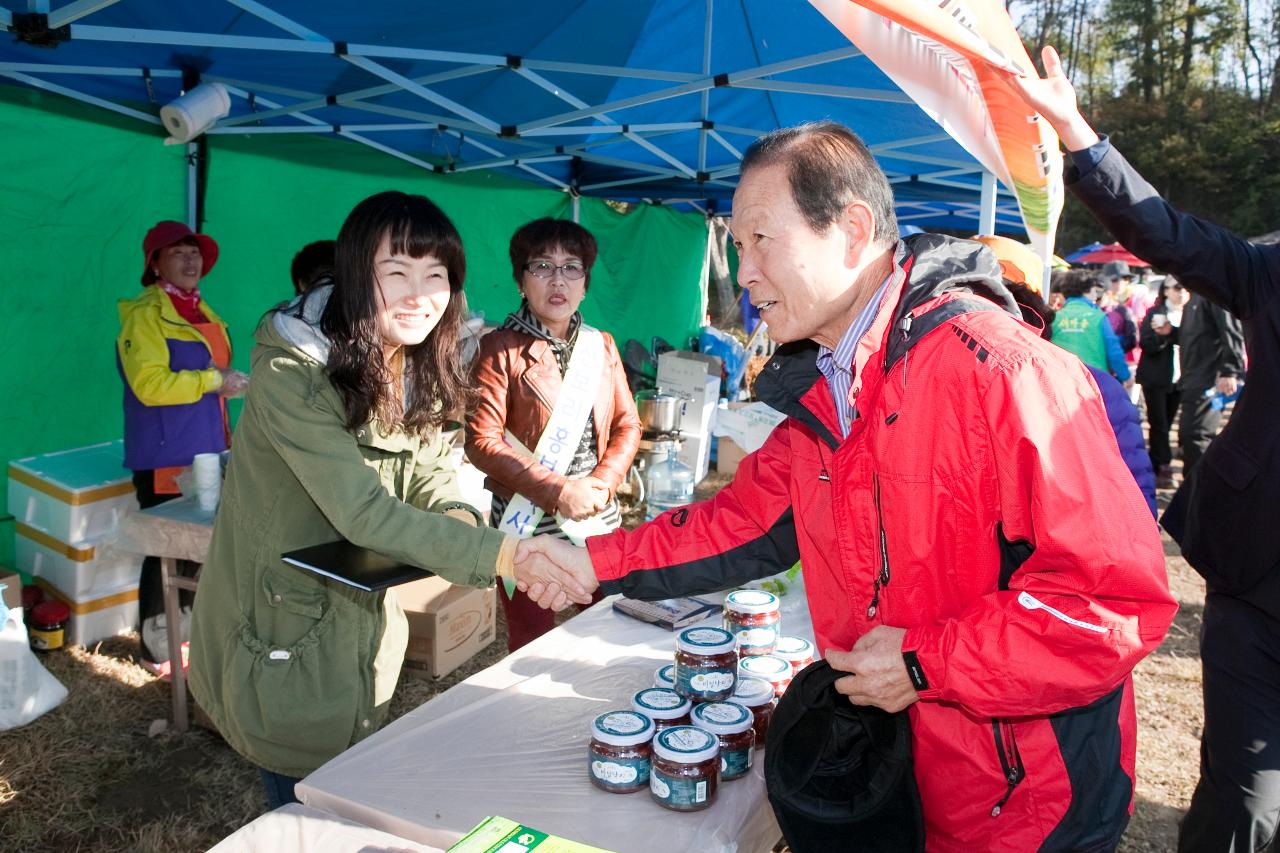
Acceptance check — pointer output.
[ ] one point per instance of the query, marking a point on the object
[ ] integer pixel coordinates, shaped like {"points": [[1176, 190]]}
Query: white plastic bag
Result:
{"points": [[27, 689]]}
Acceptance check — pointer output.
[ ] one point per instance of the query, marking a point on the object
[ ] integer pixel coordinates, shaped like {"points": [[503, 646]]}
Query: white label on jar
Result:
{"points": [[705, 636], [659, 787], [722, 713], [712, 682], [622, 724], [614, 774], [688, 740], [663, 698], [701, 795], [757, 637]]}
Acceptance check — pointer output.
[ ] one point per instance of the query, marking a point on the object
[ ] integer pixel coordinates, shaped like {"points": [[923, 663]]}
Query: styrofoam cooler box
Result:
{"points": [[94, 619], [73, 495], [84, 570]]}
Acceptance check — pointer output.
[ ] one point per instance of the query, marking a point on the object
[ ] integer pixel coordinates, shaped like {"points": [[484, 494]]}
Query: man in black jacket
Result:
{"points": [[1225, 514], [1212, 360]]}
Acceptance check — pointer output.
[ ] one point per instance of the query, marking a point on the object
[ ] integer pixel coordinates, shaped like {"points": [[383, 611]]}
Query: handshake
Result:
{"points": [[554, 573]]}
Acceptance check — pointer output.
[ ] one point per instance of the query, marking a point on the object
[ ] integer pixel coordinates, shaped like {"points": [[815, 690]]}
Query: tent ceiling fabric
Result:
{"points": [[647, 100]]}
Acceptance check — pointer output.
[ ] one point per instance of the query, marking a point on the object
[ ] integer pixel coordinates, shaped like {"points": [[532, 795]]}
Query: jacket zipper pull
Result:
{"points": [[875, 601], [1014, 778], [823, 475]]}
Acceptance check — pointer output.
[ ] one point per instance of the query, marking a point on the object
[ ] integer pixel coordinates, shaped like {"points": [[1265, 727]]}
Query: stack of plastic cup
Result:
{"points": [[206, 472]]}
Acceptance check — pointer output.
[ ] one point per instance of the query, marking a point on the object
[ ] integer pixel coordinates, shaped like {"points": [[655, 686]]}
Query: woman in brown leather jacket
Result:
{"points": [[518, 375]]}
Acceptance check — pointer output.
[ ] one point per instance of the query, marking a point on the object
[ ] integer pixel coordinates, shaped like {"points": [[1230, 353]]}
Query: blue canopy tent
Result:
{"points": [[1075, 256], [649, 101]]}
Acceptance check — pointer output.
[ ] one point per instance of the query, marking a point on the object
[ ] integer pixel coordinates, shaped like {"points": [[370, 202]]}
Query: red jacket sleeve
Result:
{"points": [[684, 552], [1092, 598]]}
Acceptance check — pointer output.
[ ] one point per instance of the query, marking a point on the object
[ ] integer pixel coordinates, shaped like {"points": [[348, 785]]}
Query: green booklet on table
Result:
{"points": [[503, 835]]}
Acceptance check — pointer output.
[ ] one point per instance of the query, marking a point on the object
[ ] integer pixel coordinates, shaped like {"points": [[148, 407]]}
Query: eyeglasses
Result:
{"points": [[571, 270]]}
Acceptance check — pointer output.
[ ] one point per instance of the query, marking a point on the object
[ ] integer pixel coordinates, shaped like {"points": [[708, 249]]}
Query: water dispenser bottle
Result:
{"points": [[669, 483]]}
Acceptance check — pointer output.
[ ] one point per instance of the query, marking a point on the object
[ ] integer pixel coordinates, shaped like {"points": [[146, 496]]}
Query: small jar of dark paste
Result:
{"points": [[757, 696], [686, 769], [731, 724], [664, 706], [665, 676], [621, 751], [752, 616], [774, 670], [796, 651], [706, 664]]}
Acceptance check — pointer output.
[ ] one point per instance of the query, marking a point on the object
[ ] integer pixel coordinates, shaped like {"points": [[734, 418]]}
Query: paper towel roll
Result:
{"points": [[193, 113]]}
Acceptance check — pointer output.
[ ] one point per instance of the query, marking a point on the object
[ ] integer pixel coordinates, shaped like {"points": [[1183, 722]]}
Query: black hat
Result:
{"points": [[839, 775]]}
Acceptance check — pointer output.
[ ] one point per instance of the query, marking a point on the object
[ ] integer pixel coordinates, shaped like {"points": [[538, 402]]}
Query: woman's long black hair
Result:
{"points": [[435, 380]]}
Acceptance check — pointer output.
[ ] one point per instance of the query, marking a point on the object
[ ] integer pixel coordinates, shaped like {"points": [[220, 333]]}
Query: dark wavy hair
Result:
{"points": [[542, 235], [828, 166], [435, 379]]}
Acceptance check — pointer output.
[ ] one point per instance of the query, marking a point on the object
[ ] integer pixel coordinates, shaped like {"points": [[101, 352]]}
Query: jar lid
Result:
{"points": [[686, 745], [722, 718], [765, 666], [751, 601], [50, 612], [793, 648], [752, 691], [665, 676], [705, 641], [622, 728], [660, 703]]}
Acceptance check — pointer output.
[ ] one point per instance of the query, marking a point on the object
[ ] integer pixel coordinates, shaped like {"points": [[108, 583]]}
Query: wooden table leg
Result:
{"points": [[173, 628]]}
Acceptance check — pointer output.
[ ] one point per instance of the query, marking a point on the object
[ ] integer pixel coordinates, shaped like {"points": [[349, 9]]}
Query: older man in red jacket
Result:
{"points": [[974, 549]]}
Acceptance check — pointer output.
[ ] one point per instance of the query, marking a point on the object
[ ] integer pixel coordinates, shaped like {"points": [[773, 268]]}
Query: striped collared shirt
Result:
{"points": [[837, 364]]}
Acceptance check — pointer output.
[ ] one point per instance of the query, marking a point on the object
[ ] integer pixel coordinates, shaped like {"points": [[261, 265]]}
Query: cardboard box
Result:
{"points": [[728, 455], [697, 377], [448, 625], [11, 595]]}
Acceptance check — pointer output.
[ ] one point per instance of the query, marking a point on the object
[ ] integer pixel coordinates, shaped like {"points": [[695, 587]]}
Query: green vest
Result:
{"points": [[1078, 329]]}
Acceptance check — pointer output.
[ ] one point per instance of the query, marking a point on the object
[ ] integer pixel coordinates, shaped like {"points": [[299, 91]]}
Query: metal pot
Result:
{"points": [[659, 411]]}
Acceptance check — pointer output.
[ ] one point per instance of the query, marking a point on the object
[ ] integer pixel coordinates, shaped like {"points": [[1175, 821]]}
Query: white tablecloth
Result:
{"points": [[512, 741], [298, 829]]}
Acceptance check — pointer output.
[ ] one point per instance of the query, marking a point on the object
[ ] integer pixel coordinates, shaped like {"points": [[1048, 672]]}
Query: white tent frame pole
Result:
{"points": [[79, 96], [40, 6], [703, 84], [987, 209], [823, 89], [64, 15], [910, 142], [366, 64], [571, 99]]}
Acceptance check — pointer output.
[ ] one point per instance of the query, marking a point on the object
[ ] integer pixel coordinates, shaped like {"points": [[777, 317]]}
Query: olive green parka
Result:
{"points": [[293, 668]]}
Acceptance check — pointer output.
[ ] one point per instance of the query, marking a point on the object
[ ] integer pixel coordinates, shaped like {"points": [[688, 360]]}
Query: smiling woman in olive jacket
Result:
{"points": [[339, 438]]}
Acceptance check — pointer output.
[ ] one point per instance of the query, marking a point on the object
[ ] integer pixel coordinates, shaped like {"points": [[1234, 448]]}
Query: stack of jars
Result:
{"points": [[707, 713]]}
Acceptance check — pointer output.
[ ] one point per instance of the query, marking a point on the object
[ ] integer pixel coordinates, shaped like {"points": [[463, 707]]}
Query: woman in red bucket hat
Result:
{"points": [[174, 356]]}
